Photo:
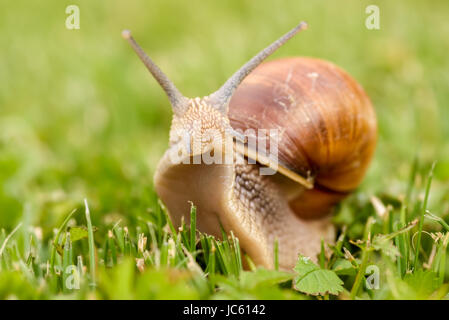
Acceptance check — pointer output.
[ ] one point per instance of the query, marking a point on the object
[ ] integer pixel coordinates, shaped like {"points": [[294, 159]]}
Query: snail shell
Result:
{"points": [[327, 125]]}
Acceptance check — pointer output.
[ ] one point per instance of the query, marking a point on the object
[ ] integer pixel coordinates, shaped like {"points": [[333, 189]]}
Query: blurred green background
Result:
{"points": [[80, 116]]}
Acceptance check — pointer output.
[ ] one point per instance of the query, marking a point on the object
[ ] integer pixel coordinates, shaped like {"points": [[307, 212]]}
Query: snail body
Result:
{"points": [[327, 135]]}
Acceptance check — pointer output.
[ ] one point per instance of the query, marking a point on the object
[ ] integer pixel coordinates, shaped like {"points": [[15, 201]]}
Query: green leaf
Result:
{"points": [[420, 285], [422, 282], [344, 267], [259, 284], [251, 279], [313, 280], [383, 243], [78, 233]]}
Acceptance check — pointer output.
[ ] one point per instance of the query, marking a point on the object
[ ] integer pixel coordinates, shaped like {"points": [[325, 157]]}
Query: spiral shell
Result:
{"points": [[327, 125]]}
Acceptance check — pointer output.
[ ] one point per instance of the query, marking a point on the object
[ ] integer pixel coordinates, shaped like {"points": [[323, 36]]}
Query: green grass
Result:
{"points": [[80, 117], [152, 260]]}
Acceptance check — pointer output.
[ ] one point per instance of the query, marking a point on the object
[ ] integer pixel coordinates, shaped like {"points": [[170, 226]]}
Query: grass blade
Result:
{"points": [[66, 261], [421, 220], [92, 263], [365, 257], [2, 249], [56, 240], [322, 255], [192, 227]]}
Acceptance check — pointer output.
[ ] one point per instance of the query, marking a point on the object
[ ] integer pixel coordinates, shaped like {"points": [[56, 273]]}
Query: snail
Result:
{"points": [[327, 133]]}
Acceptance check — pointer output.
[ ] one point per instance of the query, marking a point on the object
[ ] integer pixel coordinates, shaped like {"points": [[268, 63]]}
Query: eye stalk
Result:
{"points": [[178, 101], [222, 96], [219, 99]]}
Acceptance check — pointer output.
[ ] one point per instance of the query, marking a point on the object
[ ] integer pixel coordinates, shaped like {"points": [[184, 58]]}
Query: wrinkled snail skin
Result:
{"points": [[327, 136]]}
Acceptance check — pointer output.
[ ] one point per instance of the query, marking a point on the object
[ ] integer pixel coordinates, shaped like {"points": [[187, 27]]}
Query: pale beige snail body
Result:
{"points": [[327, 137]]}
